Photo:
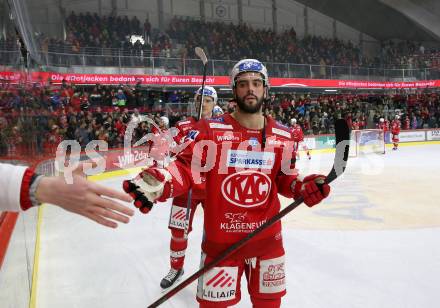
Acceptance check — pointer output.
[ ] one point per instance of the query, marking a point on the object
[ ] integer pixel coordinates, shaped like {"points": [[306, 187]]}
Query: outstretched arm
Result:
{"points": [[158, 184], [85, 198], [21, 189]]}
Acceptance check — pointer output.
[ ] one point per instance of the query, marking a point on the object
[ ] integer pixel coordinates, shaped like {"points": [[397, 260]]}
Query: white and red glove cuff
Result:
{"points": [[155, 183]]}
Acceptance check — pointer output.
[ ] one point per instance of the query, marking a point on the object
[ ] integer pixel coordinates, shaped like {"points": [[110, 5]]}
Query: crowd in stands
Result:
{"points": [[108, 37], [94, 31], [232, 42], [409, 55], [317, 114], [89, 32], [35, 118]]}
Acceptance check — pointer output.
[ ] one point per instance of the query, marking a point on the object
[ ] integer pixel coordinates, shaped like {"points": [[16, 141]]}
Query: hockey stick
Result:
{"points": [[201, 54], [340, 162]]}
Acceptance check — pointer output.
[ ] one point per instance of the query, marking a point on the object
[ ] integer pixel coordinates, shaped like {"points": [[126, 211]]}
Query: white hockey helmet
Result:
{"points": [[208, 91], [381, 120], [165, 120], [293, 121], [249, 65]]}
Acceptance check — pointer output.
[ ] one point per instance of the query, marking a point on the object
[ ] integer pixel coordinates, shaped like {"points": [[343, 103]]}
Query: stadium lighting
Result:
{"points": [[330, 90]]}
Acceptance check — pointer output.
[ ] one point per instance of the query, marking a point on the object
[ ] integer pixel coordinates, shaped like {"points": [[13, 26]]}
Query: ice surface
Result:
{"points": [[374, 243]]}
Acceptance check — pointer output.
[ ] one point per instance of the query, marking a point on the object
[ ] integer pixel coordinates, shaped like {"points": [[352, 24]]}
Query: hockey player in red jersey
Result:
{"points": [[159, 149], [209, 102], [383, 125], [179, 240], [298, 138], [395, 131], [247, 160]]}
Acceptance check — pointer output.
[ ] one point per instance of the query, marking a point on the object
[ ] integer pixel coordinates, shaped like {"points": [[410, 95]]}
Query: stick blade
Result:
{"points": [[342, 131], [342, 134], [201, 54]]}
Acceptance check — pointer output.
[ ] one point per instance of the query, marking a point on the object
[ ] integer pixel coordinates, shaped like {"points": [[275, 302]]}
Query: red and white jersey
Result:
{"points": [[183, 128], [242, 180], [156, 131], [159, 146], [395, 127], [383, 125], [355, 126], [297, 133]]}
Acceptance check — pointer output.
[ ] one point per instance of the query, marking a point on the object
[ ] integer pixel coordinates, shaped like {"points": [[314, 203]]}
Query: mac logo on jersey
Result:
{"points": [[246, 188]]}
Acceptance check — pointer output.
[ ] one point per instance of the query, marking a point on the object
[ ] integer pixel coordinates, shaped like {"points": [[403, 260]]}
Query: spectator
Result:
{"points": [[26, 124], [121, 98]]}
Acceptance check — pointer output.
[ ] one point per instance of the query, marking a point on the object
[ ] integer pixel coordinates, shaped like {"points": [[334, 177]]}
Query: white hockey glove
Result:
{"points": [[151, 185]]}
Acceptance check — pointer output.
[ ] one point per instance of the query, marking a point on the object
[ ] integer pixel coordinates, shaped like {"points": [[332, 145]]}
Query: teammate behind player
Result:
{"points": [[395, 131], [164, 122], [179, 240], [383, 125], [298, 138], [217, 111], [247, 173], [209, 102]]}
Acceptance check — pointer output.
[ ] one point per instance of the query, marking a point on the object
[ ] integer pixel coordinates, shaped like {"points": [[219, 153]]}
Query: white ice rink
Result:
{"points": [[374, 243]]}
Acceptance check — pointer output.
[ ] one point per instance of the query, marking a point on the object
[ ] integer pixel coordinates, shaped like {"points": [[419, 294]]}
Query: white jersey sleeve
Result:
{"points": [[10, 186]]}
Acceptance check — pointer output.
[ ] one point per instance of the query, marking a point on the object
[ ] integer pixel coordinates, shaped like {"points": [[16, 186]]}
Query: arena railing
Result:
{"points": [[180, 66], [62, 58], [9, 57]]}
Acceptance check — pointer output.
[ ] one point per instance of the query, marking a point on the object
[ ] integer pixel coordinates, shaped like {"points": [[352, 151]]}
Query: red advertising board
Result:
{"points": [[174, 80]]}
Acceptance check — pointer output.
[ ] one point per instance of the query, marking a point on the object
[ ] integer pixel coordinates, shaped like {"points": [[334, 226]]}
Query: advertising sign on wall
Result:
{"points": [[433, 134], [325, 142], [412, 136]]}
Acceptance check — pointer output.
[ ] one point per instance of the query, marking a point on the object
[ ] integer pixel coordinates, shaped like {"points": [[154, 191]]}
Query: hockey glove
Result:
{"points": [[151, 185], [140, 201], [312, 188]]}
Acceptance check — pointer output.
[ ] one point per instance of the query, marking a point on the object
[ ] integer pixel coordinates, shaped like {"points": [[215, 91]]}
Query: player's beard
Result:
{"points": [[249, 108]]}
